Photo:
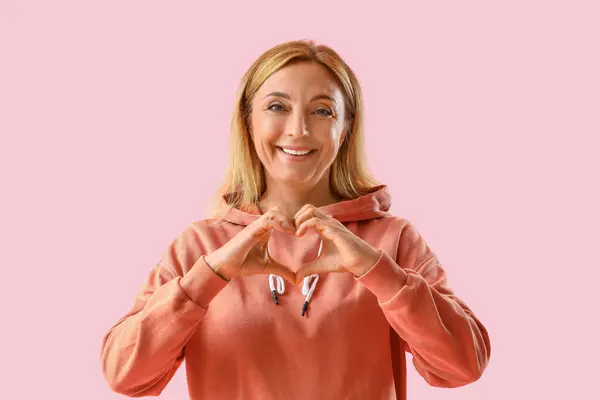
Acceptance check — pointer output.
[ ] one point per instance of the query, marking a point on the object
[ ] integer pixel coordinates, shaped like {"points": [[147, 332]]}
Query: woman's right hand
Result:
{"points": [[245, 254]]}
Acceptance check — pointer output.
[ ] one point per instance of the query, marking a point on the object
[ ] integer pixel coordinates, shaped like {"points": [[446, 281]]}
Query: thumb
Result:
{"points": [[306, 270], [273, 267], [256, 238]]}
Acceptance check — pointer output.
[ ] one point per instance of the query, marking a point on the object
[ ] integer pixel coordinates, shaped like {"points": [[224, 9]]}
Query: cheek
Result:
{"points": [[333, 139], [267, 129]]}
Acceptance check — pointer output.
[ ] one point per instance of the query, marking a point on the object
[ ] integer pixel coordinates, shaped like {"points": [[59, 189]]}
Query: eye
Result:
{"points": [[275, 109], [324, 112]]}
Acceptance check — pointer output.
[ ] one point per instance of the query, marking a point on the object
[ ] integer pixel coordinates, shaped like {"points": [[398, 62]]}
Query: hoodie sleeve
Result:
{"points": [[143, 350], [450, 346]]}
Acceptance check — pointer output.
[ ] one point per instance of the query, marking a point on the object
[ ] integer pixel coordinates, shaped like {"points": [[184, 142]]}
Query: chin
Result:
{"points": [[292, 178]]}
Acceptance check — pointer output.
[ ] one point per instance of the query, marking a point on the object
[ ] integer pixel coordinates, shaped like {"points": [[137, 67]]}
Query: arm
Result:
{"points": [[450, 346], [143, 350]]}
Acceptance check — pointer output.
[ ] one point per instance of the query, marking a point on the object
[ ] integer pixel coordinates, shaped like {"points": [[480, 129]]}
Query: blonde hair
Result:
{"points": [[245, 182]]}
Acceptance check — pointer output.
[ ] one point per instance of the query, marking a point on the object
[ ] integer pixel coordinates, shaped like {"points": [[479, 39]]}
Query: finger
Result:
{"points": [[303, 273], [304, 214], [307, 212], [316, 267], [261, 227], [256, 236], [273, 267], [285, 224], [307, 270], [283, 272], [316, 223], [276, 215], [319, 213], [267, 223], [316, 211], [301, 210]]}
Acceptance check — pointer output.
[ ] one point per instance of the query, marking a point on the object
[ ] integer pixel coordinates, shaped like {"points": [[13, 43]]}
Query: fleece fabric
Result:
{"points": [[351, 343]]}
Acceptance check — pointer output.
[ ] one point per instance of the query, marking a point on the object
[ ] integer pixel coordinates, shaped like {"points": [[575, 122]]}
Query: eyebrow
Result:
{"points": [[287, 96]]}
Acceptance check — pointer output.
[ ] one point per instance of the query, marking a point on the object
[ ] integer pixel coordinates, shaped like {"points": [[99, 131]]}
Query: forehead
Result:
{"points": [[301, 78]]}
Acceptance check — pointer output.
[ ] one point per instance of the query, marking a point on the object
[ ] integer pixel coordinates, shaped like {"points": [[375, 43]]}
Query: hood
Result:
{"points": [[374, 204]]}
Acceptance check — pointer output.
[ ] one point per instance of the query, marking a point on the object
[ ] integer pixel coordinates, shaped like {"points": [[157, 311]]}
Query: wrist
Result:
{"points": [[214, 264], [370, 256]]}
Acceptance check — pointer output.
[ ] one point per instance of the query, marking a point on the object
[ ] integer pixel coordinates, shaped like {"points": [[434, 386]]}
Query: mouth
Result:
{"points": [[295, 154]]}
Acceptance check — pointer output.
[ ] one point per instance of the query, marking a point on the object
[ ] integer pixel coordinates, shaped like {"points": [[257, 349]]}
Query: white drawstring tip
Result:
{"points": [[309, 284]]}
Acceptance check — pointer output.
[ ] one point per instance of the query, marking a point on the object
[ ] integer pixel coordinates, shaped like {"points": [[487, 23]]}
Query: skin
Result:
{"points": [[301, 105], [307, 110], [298, 120]]}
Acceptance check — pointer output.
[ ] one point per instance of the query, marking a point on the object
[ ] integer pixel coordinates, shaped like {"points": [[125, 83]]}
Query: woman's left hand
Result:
{"points": [[342, 250]]}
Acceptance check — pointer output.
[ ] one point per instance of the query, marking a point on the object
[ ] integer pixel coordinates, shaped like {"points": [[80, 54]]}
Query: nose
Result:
{"points": [[297, 125]]}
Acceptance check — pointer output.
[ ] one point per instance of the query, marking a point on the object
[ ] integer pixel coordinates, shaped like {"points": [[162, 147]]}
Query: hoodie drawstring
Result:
{"points": [[308, 288], [280, 286]]}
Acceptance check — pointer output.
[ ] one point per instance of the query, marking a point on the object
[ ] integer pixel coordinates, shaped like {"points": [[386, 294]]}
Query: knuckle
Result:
{"points": [[265, 224], [271, 217]]}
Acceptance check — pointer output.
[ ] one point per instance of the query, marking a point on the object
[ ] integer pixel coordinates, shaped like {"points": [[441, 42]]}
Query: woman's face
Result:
{"points": [[299, 110]]}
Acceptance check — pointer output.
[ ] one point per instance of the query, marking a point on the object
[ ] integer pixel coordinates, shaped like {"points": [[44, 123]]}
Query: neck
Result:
{"points": [[291, 197]]}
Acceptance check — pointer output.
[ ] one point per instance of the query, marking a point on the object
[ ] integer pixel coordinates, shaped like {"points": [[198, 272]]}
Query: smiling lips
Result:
{"points": [[295, 153]]}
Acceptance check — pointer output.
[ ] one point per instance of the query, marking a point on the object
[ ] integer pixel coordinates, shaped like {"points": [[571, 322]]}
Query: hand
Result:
{"points": [[342, 250], [245, 253]]}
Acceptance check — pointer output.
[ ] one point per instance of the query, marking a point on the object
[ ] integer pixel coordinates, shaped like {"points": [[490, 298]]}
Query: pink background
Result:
{"points": [[482, 118]]}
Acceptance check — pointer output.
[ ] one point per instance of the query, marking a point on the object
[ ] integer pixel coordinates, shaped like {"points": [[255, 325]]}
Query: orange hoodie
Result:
{"points": [[350, 344]]}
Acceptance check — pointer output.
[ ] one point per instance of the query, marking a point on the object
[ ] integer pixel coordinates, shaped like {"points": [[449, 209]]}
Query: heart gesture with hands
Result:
{"points": [[247, 253], [342, 250]]}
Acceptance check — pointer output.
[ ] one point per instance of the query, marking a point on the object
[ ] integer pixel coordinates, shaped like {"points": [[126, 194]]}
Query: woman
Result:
{"points": [[298, 205]]}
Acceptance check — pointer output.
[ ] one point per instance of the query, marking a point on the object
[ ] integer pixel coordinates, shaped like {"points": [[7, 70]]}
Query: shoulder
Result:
{"points": [[393, 224], [194, 233], [412, 248], [207, 229]]}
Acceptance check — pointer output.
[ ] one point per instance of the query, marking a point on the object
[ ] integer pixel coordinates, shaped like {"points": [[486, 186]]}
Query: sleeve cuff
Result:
{"points": [[201, 284], [385, 279]]}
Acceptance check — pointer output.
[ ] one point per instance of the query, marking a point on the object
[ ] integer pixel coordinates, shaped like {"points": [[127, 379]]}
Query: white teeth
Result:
{"points": [[295, 152]]}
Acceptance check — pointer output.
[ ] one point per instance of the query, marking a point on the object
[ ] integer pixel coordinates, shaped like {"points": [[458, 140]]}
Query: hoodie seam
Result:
{"points": [[168, 269], [365, 209], [423, 262], [419, 264], [398, 242]]}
